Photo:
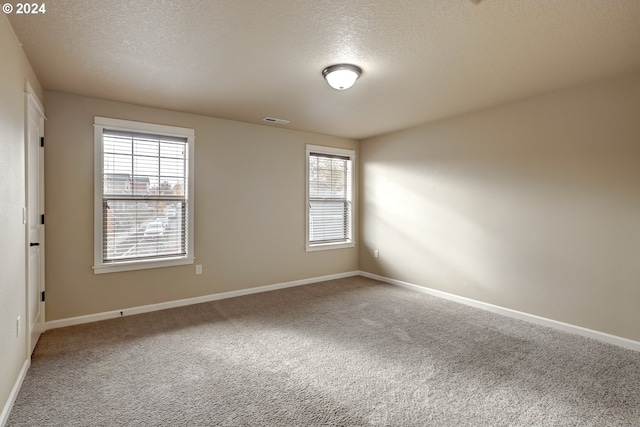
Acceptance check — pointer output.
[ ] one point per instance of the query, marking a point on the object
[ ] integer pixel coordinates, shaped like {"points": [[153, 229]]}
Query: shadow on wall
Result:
{"points": [[544, 227]]}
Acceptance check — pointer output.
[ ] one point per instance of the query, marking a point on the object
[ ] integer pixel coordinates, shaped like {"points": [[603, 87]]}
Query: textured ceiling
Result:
{"points": [[244, 60]]}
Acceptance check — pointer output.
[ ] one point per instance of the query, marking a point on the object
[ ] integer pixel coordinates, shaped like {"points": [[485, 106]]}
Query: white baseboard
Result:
{"points": [[54, 324], [4, 416], [590, 333], [566, 327]]}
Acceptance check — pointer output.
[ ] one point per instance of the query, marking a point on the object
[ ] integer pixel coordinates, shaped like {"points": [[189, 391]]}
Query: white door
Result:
{"points": [[35, 218]]}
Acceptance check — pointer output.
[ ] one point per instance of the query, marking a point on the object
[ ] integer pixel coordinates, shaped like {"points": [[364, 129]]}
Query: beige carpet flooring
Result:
{"points": [[348, 352]]}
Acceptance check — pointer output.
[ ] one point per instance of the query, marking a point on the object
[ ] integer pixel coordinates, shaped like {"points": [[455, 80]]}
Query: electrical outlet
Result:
{"points": [[18, 327], [199, 269], [376, 253]]}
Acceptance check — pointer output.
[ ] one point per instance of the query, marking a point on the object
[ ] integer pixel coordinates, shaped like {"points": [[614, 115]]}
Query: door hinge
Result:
{"points": [[42, 141], [42, 219], [42, 296]]}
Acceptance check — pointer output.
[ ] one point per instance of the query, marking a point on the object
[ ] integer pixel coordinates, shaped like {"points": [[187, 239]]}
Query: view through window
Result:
{"points": [[330, 194], [144, 204]]}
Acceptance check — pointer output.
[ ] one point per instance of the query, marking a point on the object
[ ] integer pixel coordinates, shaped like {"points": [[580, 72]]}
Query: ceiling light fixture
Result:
{"points": [[341, 76]]}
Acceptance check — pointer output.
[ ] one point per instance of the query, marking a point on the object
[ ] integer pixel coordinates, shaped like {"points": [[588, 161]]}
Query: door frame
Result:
{"points": [[33, 106]]}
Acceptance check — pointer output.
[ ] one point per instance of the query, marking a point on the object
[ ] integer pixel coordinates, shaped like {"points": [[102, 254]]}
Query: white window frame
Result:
{"points": [[350, 242], [101, 123]]}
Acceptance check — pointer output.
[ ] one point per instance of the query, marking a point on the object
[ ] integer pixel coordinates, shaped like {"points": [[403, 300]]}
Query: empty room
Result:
{"points": [[320, 213]]}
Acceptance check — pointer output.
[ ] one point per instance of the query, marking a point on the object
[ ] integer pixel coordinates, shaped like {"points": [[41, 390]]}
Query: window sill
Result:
{"points": [[327, 246], [141, 265]]}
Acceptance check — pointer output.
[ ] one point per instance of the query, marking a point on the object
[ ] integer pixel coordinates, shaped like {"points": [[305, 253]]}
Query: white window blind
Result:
{"points": [[144, 201], [330, 193]]}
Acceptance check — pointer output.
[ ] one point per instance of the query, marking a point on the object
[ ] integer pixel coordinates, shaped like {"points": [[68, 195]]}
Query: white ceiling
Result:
{"points": [[246, 59]]}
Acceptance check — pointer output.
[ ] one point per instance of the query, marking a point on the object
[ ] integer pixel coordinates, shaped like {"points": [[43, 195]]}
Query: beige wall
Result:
{"points": [[14, 70], [533, 206], [249, 211]]}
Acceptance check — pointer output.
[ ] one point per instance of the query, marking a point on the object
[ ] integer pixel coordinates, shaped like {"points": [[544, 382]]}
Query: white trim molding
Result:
{"points": [[54, 324], [350, 197], [566, 327], [543, 321], [186, 199], [32, 97], [6, 411]]}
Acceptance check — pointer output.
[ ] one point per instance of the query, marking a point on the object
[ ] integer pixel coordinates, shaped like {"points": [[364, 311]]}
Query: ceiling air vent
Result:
{"points": [[274, 120]]}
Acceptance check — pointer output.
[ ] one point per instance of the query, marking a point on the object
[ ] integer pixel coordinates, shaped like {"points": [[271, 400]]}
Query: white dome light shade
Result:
{"points": [[341, 76]]}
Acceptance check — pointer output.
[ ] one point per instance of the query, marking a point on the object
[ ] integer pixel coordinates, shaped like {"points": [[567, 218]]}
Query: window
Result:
{"points": [[329, 198], [143, 195]]}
